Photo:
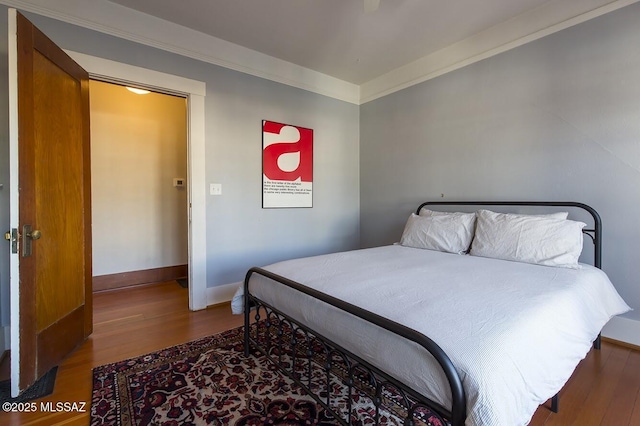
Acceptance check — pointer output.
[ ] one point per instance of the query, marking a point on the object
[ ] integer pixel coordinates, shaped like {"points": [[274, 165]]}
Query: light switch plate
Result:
{"points": [[215, 189]]}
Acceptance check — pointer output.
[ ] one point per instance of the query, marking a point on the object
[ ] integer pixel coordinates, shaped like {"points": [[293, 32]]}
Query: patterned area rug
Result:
{"points": [[210, 381]]}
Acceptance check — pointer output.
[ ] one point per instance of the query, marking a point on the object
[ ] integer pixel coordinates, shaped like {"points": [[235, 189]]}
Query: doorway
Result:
{"points": [[139, 197], [194, 91]]}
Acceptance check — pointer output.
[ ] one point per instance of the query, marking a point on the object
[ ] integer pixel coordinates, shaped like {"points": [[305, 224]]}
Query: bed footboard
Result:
{"points": [[314, 361]]}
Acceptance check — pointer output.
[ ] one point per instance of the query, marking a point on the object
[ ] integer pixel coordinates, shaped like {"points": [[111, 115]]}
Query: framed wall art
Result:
{"points": [[287, 165]]}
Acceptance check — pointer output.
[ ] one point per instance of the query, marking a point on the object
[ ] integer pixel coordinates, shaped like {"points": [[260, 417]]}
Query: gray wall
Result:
{"points": [[556, 119], [240, 233]]}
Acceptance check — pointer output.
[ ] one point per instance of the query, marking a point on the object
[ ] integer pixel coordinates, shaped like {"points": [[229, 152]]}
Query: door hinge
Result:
{"points": [[12, 236]]}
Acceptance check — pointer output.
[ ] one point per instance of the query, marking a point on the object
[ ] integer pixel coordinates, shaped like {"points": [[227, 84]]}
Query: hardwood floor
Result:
{"points": [[604, 389], [127, 323]]}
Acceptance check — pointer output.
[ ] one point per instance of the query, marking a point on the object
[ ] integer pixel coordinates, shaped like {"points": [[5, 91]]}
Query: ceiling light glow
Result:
{"points": [[138, 91]]}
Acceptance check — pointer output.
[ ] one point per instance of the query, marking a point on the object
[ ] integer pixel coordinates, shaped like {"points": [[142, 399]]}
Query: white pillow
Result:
{"points": [[451, 233], [532, 239], [557, 215]]}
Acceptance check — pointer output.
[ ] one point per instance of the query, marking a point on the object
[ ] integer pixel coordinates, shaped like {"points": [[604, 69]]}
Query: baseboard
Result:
{"points": [[623, 330], [221, 294], [620, 343], [126, 279]]}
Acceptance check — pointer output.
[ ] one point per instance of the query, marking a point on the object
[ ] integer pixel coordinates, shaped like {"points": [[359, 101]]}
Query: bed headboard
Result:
{"points": [[595, 233]]}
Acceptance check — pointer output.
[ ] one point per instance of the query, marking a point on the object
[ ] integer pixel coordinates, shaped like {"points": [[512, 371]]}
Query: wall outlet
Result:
{"points": [[215, 189]]}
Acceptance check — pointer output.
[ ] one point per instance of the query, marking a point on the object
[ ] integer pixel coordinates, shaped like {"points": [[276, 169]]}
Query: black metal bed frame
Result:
{"points": [[303, 345]]}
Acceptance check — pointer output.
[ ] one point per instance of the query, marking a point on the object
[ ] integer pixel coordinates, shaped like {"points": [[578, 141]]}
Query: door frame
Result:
{"points": [[194, 91]]}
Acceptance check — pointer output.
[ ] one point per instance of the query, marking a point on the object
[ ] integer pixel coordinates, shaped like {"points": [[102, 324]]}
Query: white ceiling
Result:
{"points": [[330, 47], [337, 37]]}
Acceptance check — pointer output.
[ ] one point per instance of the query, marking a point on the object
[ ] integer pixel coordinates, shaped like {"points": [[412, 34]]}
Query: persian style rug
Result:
{"points": [[210, 381]]}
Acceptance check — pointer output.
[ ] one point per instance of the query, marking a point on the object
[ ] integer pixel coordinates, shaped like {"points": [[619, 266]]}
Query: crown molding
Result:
{"points": [[119, 21], [112, 71], [515, 32]]}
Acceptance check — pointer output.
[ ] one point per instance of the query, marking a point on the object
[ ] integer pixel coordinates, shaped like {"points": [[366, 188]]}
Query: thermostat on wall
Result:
{"points": [[179, 182]]}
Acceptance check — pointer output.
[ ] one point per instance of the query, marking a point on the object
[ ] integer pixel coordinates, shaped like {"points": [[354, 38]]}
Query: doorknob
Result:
{"points": [[27, 236], [35, 234]]}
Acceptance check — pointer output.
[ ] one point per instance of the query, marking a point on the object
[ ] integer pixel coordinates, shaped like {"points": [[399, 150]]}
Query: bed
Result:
{"points": [[479, 338]]}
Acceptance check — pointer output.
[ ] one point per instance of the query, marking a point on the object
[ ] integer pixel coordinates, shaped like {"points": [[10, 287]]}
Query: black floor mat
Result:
{"points": [[41, 388], [184, 283]]}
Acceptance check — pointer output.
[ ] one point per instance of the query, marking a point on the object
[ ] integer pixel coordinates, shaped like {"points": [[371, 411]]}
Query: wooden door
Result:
{"points": [[54, 229]]}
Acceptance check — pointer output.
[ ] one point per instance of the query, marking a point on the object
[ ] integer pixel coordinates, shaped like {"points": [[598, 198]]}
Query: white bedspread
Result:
{"points": [[514, 331]]}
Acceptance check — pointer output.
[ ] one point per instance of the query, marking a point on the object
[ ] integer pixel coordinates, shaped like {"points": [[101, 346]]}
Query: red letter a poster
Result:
{"points": [[287, 165]]}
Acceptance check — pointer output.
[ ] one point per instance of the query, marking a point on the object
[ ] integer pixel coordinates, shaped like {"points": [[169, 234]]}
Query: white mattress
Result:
{"points": [[514, 331]]}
